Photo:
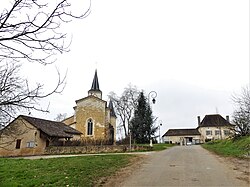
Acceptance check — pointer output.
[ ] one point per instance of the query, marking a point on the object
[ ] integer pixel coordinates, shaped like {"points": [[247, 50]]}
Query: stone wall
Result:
{"points": [[29, 137], [94, 149]]}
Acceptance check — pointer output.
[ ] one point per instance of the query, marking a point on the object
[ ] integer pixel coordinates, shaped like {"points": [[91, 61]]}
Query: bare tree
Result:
{"points": [[241, 115], [60, 117], [30, 32], [124, 106], [17, 96], [30, 29]]}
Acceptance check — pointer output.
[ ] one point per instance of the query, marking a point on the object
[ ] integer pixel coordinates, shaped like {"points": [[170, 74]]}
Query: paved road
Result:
{"points": [[184, 166]]}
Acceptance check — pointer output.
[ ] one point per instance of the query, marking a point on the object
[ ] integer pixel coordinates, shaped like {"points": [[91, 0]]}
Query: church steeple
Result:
{"points": [[95, 90], [95, 83]]}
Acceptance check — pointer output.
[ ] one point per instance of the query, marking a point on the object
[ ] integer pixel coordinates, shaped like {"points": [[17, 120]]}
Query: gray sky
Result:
{"points": [[193, 53]]}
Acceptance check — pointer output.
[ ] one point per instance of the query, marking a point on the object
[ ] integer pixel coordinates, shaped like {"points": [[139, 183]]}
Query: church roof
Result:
{"points": [[111, 107], [90, 96], [95, 83]]}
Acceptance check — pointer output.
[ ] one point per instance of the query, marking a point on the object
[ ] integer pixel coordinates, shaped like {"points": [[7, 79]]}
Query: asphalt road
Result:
{"points": [[184, 166]]}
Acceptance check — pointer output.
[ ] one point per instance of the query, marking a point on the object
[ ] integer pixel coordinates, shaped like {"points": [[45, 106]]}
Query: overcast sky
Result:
{"points": [[193, 53]]}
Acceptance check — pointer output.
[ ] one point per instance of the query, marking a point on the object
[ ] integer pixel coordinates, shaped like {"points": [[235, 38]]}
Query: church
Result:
{"points": [[93, 120], [93, 117]]}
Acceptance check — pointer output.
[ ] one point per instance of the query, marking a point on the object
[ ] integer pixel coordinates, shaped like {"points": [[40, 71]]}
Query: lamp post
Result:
{"points": [[160, 131], [152, 95]]}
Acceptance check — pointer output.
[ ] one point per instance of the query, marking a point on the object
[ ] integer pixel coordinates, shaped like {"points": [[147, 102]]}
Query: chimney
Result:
{"points": [[199, 120], [227, 117]]}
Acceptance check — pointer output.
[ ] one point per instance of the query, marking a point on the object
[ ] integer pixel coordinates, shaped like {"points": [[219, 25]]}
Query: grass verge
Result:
{"points": [[161, 146], [239, 147], [72, 171], [158, 147]]}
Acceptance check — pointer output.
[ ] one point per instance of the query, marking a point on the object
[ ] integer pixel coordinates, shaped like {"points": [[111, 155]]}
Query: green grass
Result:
{"points": [[161, 146], [158, 147], [236, 148], [72, 171]]}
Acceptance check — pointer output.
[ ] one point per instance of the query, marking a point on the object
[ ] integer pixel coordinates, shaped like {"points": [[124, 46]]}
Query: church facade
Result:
{"points": [[93, 116]]}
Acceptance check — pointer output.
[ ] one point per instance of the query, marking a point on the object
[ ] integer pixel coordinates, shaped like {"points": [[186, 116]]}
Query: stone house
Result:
{"points": [[182, 136], [212, 127], [93, 117], [27, 135]]}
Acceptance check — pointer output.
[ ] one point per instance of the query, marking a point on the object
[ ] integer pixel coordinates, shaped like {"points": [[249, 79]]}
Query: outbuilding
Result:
{"points": [[182, 136], [30, 136]]}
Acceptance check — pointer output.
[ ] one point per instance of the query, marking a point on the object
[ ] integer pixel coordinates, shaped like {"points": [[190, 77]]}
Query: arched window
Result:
{"points": [[90, 127]]}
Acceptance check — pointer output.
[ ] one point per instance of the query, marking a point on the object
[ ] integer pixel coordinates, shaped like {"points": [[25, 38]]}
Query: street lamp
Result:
{"points": [[152, 95]]}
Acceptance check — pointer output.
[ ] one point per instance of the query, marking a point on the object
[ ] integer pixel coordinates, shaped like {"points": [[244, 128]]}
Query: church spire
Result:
{"points": [[95, 83], [95, 90]]}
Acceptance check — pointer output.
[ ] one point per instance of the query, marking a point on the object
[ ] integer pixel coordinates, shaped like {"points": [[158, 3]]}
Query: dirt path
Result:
{"points": [[184, 166]]}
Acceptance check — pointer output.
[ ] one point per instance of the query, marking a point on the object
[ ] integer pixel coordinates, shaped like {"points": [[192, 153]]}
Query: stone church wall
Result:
{"points": [[94, 149]]}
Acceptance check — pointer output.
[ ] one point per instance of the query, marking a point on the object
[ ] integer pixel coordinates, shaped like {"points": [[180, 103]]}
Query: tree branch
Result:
{"points": [[39, 27]]}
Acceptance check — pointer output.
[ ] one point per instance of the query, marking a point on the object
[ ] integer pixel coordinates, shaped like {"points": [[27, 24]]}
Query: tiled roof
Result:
{"points": [[181, 132], [52, 128], [214, 120]]}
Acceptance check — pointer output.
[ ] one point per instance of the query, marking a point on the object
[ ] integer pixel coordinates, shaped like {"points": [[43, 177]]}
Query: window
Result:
{"points": [[90, 127], [47, 143], [209, 132], [18, 143], [226, 132], [30, 144], [217, 132]]}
